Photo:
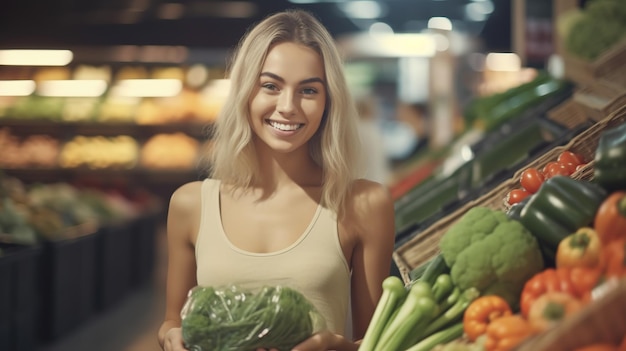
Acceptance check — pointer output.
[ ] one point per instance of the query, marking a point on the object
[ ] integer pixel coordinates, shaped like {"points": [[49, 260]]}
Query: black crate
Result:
{"points": [[114, 257], [19, 297], [144, 230], [69, 284]]}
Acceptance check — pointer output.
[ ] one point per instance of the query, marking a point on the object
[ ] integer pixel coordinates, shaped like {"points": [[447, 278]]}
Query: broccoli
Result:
{"points": [[492, 253], [601, 25]]}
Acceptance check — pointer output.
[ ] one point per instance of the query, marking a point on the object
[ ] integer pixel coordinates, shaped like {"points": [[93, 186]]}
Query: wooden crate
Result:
{"points": [[610, 65], [569, 114], [600, 99], [425, 245]]}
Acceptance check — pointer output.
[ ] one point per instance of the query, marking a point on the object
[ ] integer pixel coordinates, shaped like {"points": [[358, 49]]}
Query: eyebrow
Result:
{"points": [[280, 79]]}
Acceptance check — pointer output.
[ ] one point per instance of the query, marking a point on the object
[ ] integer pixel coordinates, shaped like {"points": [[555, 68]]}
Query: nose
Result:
{"points": [[286, 104]]}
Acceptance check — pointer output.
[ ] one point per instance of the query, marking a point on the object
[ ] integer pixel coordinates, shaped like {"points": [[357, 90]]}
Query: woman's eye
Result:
{"points": [[269, 86], [309, 91]]}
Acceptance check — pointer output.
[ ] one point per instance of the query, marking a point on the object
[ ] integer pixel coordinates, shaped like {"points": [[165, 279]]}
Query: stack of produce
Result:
{"points": [[39, 212], [542, 261]]}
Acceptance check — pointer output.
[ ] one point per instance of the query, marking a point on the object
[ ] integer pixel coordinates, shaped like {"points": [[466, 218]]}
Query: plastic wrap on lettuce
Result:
{"points": [[233, 318]]}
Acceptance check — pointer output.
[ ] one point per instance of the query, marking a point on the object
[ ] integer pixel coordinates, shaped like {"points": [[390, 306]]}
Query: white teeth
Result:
{"points": [[283, 126]]}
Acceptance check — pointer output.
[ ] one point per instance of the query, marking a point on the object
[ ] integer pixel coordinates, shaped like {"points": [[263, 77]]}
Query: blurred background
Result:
{"points": [[105, 109]]}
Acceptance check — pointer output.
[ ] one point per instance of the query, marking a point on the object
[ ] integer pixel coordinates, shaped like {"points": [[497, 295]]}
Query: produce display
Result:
{"points": [[534, 264], [37, 150], [234, 318], [33, 213], [100, 152], [170, 151]]}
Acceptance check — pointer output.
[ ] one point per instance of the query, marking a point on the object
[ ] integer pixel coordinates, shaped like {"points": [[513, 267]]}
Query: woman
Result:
{"points": [[283, 202]]}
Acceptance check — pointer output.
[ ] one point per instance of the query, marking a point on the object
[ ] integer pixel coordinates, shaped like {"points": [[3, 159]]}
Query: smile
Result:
{"points": [[286, 127]]}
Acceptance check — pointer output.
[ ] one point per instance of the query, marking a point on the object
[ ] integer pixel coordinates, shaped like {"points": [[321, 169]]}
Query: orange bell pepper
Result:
{"points": [[547, 280], [580, 249], [504, 333], [481, 312], [551, 308], [615, 259], [610, 219]]}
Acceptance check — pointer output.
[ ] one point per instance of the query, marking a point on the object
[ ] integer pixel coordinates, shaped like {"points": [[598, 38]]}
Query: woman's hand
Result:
{"points": [[173, 340]]}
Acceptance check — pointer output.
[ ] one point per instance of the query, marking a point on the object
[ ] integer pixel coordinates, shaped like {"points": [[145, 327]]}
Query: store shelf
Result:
{"points": [[61, 128], [141, 175]]}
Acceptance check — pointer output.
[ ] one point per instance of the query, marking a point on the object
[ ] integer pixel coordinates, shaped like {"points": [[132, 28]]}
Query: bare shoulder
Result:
{"points": [[370, 207], [369, 197], [186, 197]]}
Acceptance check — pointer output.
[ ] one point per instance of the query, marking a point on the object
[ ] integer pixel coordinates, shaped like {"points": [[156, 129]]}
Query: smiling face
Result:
{"points": [[288, 102]]}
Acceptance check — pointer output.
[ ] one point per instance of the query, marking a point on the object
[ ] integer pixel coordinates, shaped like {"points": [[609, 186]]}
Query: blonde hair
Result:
{"points": [[334, 147]]}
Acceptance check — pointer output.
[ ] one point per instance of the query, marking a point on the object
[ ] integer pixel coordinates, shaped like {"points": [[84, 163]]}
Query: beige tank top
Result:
{"points": [[314, 264]]}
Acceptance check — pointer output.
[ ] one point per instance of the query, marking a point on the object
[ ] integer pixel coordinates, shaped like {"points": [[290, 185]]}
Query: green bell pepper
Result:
{"points": [[560, 207], [610, 159]]}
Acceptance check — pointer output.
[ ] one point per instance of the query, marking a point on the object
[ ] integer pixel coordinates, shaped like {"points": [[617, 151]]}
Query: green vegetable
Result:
{"points": [[601, 25], [488, 113], [232, 319], [454, 313], [516, 209], [451, 299], [514, 106], [417, 272], [560, 207], [490, 252], [447, 335], [435, 268], [443, 287], [393, 295], [416, 311], [610, 159], [480, 107]]}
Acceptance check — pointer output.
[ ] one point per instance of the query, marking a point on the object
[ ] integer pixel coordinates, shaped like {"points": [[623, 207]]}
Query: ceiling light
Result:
{"points": [[508, 62], [35, 57], [389, 45], [16, 87], [363, 9], [478, 11], [442, 23], [380, 28]]}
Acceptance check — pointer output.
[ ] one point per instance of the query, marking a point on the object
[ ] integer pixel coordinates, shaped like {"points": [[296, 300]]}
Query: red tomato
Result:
{"points": [[531, 179], [555, 168], [570, 157], [571, 167], [547, 169], [516, 195]]}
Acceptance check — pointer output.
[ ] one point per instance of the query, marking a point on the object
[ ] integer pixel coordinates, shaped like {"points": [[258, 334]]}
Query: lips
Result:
{"points": [[285, 127]]}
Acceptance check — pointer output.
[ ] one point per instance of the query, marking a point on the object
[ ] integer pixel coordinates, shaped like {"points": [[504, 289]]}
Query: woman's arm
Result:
{"points": [[182, 225], [374, 221]]}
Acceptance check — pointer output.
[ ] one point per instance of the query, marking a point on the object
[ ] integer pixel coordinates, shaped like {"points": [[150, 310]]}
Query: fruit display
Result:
{"points": [[33, 151], [170, 151], [100, 152]]}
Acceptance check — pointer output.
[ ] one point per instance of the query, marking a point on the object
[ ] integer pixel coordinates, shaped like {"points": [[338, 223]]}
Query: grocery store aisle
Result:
{"points": [[131, 325]]}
